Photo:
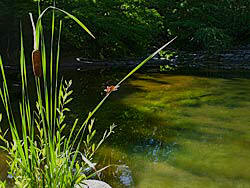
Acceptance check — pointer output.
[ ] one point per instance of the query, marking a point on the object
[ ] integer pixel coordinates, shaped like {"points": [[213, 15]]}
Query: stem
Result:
{"points": [[34, 31]]}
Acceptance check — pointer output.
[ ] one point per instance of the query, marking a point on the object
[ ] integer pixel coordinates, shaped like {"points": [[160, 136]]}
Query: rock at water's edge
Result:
{"points": [[93, 184]]}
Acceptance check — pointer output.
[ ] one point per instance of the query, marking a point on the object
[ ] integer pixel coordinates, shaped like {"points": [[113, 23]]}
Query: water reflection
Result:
{"points": [[124, 174], [154, 150], [149, 150]]}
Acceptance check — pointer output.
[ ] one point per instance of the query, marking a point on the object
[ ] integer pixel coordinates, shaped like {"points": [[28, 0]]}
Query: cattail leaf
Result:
{"points": [[79, 180], [70, 16], [93, 148]]}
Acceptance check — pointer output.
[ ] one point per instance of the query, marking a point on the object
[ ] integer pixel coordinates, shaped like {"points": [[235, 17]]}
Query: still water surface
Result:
{"points": [[172, 131]]}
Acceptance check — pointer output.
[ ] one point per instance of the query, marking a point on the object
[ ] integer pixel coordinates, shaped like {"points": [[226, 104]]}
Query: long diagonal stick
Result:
{"points": [[83, 126]]}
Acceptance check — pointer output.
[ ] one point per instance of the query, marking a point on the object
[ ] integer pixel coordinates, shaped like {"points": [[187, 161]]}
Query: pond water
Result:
{"points": [[172, 130]]}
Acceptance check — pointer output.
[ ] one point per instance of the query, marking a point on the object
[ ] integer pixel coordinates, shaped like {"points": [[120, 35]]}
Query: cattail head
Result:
{"points": [[36, 63]]}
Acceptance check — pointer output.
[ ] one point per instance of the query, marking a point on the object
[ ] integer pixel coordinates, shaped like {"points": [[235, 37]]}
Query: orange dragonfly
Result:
{"points": [[110, 89]]}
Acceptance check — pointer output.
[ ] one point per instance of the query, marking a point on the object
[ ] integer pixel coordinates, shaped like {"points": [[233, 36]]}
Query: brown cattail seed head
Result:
{"points": [[36, 62]]}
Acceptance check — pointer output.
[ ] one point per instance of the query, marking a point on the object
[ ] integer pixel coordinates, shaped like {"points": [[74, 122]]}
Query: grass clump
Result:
{"points": [[41, 155]]}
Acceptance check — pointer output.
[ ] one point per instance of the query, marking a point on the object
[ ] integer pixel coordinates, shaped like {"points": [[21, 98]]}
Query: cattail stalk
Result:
{"points": [[36, 55]]}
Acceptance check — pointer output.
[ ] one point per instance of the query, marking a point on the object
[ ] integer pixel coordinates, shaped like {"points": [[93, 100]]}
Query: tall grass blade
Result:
{"points": [[69, 15]]}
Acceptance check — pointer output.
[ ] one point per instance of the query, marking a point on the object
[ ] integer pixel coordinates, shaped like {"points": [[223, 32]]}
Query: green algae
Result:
{"points": [[199, 127]]}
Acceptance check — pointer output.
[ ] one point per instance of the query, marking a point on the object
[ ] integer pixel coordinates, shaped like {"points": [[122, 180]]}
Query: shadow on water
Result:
{"points": [[173, 130]]}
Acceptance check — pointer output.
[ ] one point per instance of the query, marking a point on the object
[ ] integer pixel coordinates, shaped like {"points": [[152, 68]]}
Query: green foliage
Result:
{"points": [[132, 27], [2, 184], [167, 54], [212, 39], [121, 27], [166, 68], [221, 23]]}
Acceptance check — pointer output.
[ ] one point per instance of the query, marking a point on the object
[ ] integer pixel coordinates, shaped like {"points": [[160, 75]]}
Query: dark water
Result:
{"points": [[172, 130]]}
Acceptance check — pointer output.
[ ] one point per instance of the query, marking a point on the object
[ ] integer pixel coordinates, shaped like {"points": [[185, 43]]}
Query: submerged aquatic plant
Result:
{"points": [[41, 155]]}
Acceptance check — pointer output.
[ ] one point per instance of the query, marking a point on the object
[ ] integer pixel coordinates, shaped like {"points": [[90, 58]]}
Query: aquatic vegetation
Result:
{"points": [[41, 156], [204, 145]]}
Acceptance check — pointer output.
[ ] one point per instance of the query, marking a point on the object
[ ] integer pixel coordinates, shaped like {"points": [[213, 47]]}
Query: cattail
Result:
{"points": [[36, 55], [36, 63]]}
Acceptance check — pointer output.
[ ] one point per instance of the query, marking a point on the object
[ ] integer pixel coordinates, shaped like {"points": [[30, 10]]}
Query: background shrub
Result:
{"points": [[134, 27]]}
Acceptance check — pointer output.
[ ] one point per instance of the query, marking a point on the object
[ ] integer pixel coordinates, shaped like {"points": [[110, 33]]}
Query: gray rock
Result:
{"points": [[93, 184]]}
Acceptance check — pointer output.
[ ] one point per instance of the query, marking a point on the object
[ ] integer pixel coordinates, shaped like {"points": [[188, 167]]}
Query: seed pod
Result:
{"points": [[36, 62]]}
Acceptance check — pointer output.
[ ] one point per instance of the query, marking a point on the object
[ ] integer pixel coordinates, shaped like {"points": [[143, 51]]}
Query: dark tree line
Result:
{"points": [[134, 27]]}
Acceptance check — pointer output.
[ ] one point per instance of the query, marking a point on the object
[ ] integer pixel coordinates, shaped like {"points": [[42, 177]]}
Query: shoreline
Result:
{"points": [[227, 61]]}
